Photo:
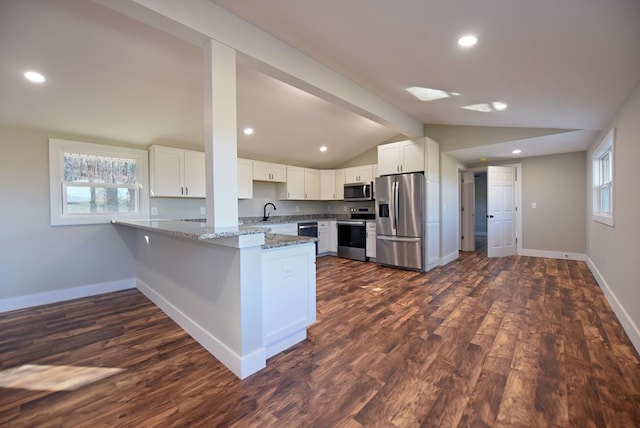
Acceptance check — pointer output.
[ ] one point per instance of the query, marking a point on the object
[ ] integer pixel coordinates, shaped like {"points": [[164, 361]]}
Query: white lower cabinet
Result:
{"points": [[370, 250], [288, 296], [324, 237], [333, 236]]}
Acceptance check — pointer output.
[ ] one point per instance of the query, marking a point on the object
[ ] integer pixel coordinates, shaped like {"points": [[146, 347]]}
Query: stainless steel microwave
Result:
{"points": [[358, 191]]}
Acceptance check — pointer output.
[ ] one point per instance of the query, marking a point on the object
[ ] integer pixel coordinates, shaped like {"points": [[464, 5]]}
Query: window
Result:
{"points": [[603, 180], [92, 183]]}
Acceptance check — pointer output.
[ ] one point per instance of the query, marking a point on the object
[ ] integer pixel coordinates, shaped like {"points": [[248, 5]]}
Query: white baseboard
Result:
{"points": [[37, 299], [628, 325], [241, 366], [449, 258], [581, 257]]}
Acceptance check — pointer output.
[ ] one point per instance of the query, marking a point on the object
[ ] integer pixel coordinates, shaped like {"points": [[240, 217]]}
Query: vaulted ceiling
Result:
{"points": [[566, 65]]}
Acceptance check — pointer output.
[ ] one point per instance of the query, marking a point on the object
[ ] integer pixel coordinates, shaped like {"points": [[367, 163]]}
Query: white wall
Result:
{"points": [[613, 251], [34, 256], [449, 205]]}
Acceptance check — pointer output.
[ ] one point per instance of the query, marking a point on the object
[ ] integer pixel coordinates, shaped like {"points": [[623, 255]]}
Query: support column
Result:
{"points": [[220, 135]]}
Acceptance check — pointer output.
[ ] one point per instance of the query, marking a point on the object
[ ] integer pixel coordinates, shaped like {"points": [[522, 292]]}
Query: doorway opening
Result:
{"points": [[490, 221]]}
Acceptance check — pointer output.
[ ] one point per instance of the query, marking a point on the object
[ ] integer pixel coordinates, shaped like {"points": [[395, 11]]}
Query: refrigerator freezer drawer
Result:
{"points": [[404, 253]]}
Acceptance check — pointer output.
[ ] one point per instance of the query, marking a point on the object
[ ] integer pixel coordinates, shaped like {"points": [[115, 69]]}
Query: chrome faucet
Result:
{"points": [[265, 216]]}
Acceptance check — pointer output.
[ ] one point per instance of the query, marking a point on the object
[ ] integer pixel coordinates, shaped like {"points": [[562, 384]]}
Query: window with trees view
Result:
{"points": [[603, 180], [93, 183]]}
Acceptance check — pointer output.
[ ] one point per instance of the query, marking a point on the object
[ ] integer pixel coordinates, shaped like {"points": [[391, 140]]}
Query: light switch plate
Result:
{"points": [[203, 210], [534, 205], [154, 210]]}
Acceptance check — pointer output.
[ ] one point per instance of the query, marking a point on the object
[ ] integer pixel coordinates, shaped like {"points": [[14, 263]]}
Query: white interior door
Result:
{"points": [[501, 211]]}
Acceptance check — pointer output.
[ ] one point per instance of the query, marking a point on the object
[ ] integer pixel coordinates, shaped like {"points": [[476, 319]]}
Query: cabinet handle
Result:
{"points": [[182, 190], [305, 196], [288, 195], [186, 190]]}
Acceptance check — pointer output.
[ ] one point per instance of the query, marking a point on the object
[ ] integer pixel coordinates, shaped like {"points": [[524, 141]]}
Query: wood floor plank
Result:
{"points": [[516, 341]]}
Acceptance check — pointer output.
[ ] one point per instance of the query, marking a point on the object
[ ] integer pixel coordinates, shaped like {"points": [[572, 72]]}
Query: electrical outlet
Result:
{"points": [[203, 210], [287, 271], [297, 209], [154, 210], [344, 208], [534, 205]]}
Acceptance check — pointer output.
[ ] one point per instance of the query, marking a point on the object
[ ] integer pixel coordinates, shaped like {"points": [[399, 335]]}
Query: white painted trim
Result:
{"points": [[37, 299], [449, 258], [240, 366], [628, 325], [554, 254]]}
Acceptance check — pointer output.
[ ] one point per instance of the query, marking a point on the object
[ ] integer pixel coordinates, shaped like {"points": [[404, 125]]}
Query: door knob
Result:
{"points": [[490, 216]]}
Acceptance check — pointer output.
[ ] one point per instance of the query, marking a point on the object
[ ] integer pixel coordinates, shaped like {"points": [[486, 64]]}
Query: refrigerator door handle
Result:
{"points": [[392, 208], [396, 204]]}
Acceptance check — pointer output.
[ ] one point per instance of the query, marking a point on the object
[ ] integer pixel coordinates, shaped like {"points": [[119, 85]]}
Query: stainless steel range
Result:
{"points": [[352, 234]]}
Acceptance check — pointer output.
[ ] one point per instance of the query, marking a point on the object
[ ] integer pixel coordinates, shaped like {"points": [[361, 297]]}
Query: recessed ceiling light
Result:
{"points": [[486, 107], [516, 151], [483, 107], [499, 106], [248, 131], [429, 94], [34, 77], [323, 148], [467, 41], [483, 159]]}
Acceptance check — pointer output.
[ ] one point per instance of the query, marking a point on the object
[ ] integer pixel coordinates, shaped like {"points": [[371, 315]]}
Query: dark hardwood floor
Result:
{"points": [[507, 342]]}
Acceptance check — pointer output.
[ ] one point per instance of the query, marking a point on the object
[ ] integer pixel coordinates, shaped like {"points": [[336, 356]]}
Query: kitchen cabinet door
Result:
{"points": [[401, 157], [265, 171], [324, 237], [166, 171], [293, 188], [245, 179], [340, 180], [194, 175], [389, 159], [359, 174], [288, 295], [312, 184], [412, 156], [371, 240], [327, 184], [333, 236]]}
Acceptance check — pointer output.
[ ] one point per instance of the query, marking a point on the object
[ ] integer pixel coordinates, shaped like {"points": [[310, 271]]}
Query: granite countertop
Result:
{"points": [[191, 229], [194, 229], [275, 240]]}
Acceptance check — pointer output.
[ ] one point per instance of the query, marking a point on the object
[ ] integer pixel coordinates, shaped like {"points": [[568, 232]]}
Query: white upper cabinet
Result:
{"points": [[359, 174], [177, 173], [265, 171], [245, 179], [312, 184], [328, 184], [293, 187], [340, 180], [195, 177], [401, 157], [302, 184]]}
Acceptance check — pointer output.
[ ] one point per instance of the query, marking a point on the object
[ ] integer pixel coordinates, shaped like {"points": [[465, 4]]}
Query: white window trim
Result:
{"points": [[607, 144], [57, 149]]}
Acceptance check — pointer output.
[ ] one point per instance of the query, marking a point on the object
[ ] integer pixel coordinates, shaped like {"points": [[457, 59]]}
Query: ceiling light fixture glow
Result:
{"points": [[516, 151], [429, 94], [323, 148], [499, 106], [248, 131], [467, 41], [482, 107], [34, 77]]}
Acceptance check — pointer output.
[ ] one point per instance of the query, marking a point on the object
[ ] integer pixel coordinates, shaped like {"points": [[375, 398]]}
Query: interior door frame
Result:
{"points": [[518, 199]]}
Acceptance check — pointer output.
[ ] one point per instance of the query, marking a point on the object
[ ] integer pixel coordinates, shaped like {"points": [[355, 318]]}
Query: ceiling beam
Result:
{"points": [[199, 20]]}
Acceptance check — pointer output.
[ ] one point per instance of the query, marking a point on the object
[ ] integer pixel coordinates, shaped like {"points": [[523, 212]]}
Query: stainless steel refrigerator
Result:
{"points": [[399, 221]]}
